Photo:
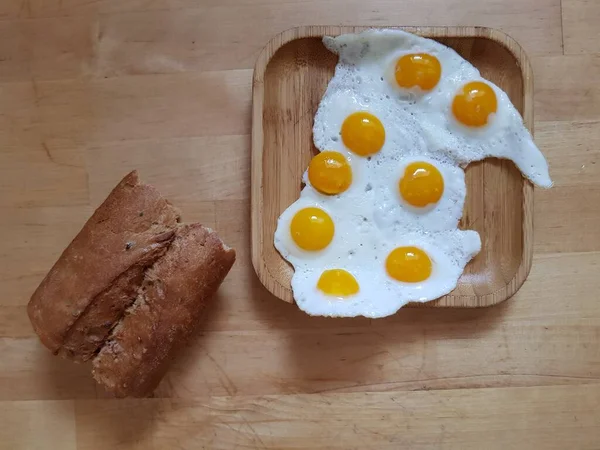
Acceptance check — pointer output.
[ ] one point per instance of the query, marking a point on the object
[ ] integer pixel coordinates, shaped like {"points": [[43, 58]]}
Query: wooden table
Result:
{"points": [[92, 89]]}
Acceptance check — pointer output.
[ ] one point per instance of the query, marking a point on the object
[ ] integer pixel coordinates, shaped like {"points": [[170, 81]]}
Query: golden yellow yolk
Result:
{"points": [[330, 173], [408, 264], [312, 229], [474, 103], [363, 133], [422, 184], [418, 69], [337, 282]]}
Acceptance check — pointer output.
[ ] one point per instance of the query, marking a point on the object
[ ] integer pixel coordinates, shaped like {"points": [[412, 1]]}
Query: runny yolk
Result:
{"points": [[418, 69], [312, 229], [421, 184], [330, 173], [408, 264], [473, 104], [337, 282], [363, 133]]}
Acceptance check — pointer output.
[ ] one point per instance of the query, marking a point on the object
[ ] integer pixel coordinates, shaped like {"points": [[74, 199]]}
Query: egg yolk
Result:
{"points": [[312, 229], [408, 264], [422, 184], [474, 103], [337, 282], [363, 133], [418, 69], [330, 173]]}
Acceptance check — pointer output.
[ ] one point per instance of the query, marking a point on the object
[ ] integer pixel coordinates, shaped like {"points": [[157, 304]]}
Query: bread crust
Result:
{"points": [[97, 276], [173, 295]]}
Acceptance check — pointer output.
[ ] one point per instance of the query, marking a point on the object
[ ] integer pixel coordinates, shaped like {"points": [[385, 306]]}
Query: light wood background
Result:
{"points": [[92, 89]]}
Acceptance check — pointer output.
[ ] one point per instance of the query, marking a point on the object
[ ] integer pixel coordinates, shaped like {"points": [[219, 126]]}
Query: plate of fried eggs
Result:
{"points": [[377, 223]]}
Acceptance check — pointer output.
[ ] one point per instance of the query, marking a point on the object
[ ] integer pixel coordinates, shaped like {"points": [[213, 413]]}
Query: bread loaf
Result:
{"points": [[130, 289], [98, 275], [165, 314]]}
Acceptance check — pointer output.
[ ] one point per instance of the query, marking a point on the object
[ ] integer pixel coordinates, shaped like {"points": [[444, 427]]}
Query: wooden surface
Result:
{"points": [[89, 90], [499, 202]]}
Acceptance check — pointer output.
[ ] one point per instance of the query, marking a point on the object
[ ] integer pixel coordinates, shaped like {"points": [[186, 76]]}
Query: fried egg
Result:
{"points": [[384, 127], [446, 111], [418, 192], [376, 224], [381, 276]]}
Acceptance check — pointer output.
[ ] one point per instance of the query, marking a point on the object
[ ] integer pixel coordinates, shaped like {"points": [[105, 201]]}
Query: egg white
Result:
{"points": [[402, 132], [393, 213], [369, 57], [504, 136], [380, 295], [370, 217]]}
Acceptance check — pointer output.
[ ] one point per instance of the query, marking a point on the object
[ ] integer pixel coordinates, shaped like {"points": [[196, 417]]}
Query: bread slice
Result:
{"points": [[166, 312], [98, 275]]}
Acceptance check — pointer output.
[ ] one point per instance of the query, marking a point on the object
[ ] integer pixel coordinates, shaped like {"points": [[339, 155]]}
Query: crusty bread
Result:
{"points": [[130, 289], [98, 275], [166, 312]]}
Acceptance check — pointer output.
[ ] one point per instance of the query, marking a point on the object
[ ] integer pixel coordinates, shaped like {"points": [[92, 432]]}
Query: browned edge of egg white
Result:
{"points": [[266, 268]]}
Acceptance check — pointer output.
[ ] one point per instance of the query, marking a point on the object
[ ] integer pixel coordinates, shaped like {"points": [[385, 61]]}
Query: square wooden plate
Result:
{"points": [[290, 77]]}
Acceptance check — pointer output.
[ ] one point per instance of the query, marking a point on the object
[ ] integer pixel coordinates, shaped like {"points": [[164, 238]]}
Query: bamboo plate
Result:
{"points": [[290, 77]]}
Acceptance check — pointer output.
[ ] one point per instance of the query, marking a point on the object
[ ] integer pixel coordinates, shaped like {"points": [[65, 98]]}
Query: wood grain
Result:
{"points": [[524, 374], [550, 418], [571, 97], [215, 26], [499, 203], [580, 26], [50, 419]]}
